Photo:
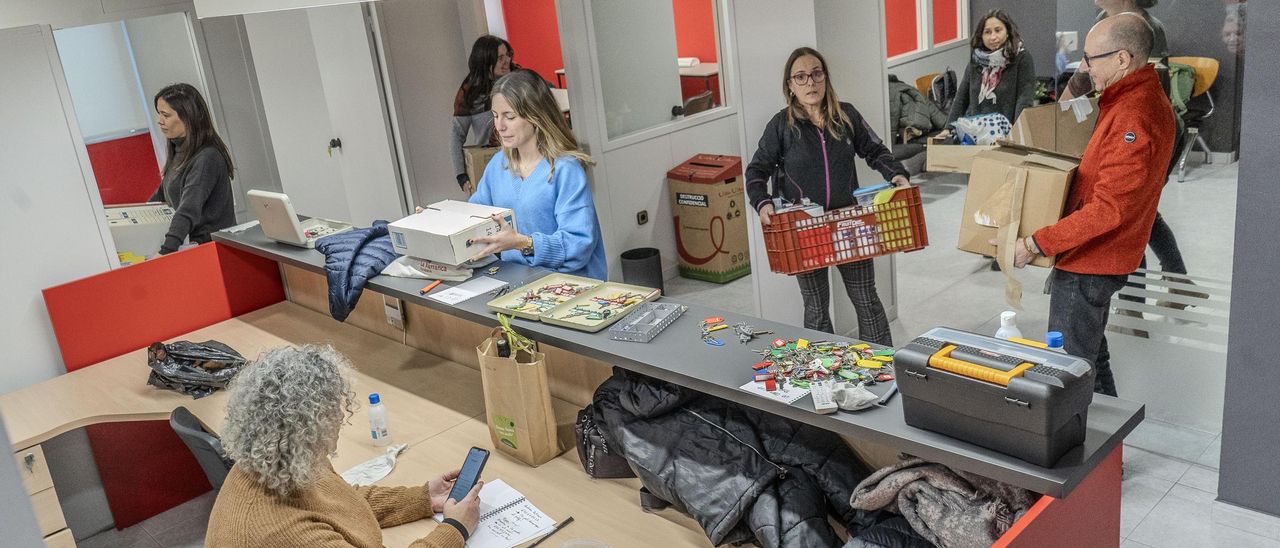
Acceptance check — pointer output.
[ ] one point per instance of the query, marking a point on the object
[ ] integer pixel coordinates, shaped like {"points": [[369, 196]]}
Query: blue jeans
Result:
{"points": [[1079, 305]]}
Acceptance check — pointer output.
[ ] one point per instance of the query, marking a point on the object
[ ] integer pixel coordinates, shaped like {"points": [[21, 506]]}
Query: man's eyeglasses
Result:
{"points": [[1089, 59], [802, 78]]}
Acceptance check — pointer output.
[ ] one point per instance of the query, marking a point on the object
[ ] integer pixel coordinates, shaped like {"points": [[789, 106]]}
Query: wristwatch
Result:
{"points": [[527, 250]]}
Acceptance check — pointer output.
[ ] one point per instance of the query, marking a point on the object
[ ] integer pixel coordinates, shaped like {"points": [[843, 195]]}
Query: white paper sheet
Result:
{"points": [[462, 292], [787, 394]]}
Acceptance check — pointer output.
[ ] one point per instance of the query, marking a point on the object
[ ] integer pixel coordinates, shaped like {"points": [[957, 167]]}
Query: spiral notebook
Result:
{"points": [[507, 518]]}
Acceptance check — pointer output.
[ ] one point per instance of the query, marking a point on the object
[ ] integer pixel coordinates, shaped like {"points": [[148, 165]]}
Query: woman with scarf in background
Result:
{"points": [[1000, 77]]}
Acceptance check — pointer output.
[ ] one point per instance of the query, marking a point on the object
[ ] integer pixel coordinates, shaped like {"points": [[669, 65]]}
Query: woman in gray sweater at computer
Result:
{"points": [[196, 180], [490, 60]]}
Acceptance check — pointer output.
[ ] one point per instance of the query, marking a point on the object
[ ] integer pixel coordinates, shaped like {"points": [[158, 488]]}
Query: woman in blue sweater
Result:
{"points": [[540, 175]]}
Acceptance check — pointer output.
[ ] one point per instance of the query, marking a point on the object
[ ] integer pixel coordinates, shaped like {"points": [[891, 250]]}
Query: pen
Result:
{"points": [[566, 521], [893, 389], [429, 287]]}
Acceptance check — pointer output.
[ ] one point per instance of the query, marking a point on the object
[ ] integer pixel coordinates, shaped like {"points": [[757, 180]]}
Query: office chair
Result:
{"points": [[206, 447], [1206, 71], [923, 83], [697, 103]]}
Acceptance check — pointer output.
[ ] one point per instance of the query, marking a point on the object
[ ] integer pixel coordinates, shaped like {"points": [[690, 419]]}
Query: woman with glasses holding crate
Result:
{"points": [[808, 149]]}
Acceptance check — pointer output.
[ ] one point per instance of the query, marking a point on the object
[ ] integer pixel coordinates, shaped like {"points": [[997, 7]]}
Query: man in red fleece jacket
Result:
{"points": [[1113, 202]]}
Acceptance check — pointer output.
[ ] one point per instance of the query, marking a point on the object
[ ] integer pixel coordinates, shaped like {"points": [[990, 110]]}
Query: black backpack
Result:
{"points": [[943, 89]]}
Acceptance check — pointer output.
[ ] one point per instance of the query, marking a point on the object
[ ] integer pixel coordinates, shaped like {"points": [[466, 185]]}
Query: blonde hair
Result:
{"points": [[532, 100], [834, 116]]}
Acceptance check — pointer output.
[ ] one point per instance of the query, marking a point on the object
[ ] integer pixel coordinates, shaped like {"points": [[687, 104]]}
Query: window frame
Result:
{"points": [[924, 33]]}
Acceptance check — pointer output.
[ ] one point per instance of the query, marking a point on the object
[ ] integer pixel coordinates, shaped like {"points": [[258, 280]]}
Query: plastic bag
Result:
{"points": [[195, 369], [983, 129]]}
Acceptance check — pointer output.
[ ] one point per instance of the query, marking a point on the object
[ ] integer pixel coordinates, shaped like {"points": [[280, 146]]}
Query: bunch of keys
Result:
{"points": [[711, 325], [746, 332]]}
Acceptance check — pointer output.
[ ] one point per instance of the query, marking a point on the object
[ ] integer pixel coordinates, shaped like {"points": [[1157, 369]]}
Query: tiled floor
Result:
{"points": [[180, 527], [1171, 469]]}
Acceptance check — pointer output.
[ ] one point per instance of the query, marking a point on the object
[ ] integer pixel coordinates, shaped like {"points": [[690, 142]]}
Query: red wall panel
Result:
{"points": [[900, 26], [945, 22], [145, 468], [534, 35], [695, 29], [126, 169]]}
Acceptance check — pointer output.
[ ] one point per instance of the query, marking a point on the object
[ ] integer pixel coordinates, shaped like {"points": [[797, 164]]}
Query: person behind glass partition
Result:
{"points": [[196, 179]]}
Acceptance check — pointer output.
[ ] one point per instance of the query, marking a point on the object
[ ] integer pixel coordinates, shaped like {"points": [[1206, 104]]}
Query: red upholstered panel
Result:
{"points": [[251, 282], [946, 24], [534, 35], [693, 86], [145, 468], [1089, 516], [126, 169], [122, 310]]}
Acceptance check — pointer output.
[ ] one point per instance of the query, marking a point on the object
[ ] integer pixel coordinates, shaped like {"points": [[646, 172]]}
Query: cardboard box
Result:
{"points": [[1044, 147], [943, 158], [708, 206], [988, 200], [476, 158], [1049, 127], [444, 230], [1046, 127]]}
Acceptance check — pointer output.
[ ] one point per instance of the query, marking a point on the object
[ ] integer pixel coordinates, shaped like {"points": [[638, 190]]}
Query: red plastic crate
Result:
{"points": [[798, 242]]}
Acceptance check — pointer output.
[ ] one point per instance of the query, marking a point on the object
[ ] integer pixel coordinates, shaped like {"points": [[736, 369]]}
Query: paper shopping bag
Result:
{"points": [[517, 403]]}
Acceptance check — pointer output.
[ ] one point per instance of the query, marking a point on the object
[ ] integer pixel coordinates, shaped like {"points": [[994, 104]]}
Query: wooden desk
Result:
{"points": [[435, 405], [705, 71]]}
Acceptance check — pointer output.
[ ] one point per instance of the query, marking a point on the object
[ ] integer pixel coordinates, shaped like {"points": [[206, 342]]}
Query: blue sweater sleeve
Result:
{"points": [[569, 247]]}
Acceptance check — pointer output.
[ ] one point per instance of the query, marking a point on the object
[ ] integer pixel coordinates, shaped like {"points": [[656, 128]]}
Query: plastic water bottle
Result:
{"points": [[1055, 341], [378, 421], [1008, 326]]}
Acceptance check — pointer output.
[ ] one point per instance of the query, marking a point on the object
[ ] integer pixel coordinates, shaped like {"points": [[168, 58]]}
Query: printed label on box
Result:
{"points": [[696, 200]]}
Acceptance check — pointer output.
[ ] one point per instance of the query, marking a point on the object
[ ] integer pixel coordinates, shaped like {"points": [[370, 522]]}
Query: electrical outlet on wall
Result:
{"points": [[1068, 41], [642, 217]]}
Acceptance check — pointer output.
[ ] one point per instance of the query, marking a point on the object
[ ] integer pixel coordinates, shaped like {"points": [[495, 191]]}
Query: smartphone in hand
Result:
{"points": [[470, 473]]}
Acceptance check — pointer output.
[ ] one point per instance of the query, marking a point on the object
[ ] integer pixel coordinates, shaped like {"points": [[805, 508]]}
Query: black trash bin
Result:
{"points": [[643, 267]]}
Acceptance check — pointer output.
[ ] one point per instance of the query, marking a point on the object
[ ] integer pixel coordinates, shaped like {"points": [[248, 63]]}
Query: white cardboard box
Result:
{"points": [[444, 230]]}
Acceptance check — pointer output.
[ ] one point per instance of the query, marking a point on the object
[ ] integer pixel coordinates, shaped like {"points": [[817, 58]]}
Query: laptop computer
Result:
{"points": [[281, 223]]}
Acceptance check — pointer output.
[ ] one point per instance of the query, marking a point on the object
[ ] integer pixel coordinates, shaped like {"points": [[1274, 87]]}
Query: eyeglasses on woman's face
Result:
{"points": [[803, 78]]}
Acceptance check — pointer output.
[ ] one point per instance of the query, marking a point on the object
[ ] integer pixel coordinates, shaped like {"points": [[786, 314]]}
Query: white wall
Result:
{"points": [[849, 34], [495, 19], [292, 93], [164, 54], [100, 73], [427, 58], [763, 38], [50, 206]]}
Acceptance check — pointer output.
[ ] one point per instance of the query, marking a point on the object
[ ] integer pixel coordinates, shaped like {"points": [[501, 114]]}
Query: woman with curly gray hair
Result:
{"points": [[283, 419]]}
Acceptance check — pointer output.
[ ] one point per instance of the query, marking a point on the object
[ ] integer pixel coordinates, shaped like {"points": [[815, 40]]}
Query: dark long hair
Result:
{"points": [[479, 81], [836, 120], [189, 105], [1012, 44]]}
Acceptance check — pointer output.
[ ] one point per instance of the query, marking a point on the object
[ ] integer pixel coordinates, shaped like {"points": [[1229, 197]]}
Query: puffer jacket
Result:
{"points": [[743, 474], [909, 108], [350, 259]]}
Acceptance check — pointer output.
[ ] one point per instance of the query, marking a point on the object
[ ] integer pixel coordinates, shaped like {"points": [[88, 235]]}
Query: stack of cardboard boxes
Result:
{"points": [[1040, 156]]}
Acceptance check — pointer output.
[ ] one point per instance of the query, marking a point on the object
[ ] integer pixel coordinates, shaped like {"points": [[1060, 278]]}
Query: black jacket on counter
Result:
{"points": [[813, 164], [745, 475]]}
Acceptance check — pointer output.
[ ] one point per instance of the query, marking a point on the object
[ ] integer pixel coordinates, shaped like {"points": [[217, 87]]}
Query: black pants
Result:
{"points": [[1078, 307], [860, 282]]}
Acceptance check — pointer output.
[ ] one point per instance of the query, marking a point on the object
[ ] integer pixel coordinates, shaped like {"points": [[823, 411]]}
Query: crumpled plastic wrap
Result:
{"points": [[983, 129], [195, 369]]}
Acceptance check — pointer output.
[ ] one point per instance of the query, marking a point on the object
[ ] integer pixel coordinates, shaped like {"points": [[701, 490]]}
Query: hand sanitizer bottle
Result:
{"points": [[1008, 326]]}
